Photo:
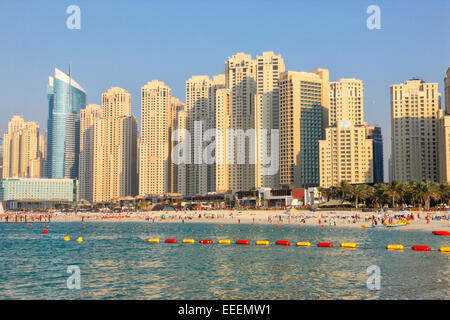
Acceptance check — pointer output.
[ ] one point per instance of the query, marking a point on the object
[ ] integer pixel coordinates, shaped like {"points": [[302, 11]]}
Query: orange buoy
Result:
{"points": [[84, 227], [206, 241], [45, 231], [171, 241], [243, 242], [421, 248], [283, 243], [324, 244], [221, 226]]}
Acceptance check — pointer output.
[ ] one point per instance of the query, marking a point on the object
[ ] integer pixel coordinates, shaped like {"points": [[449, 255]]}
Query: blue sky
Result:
{"points": [[128, 43]]}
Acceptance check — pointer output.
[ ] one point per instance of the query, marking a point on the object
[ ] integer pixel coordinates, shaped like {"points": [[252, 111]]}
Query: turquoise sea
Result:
{"points": [[116, 262]]}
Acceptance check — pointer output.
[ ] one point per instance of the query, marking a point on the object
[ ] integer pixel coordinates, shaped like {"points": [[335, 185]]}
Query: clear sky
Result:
{"points": [[128, 43]]}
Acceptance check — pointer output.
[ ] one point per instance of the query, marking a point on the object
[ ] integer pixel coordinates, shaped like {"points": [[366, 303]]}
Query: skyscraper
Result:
{"points": [[303, 102], [269, 67], [414, 112], [154, 161], [177, 172], [115, 149], [240, 79], [375, 134], [444, 134], [347, 153], [22, 150], [66, 98], [201, 116], [88, 118]]}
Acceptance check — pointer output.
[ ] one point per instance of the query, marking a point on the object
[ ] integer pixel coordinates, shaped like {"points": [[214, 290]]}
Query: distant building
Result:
{"points": [[444, 134], [374, 133], [304, 103], [66, 98], [414, 116], [115, 149], [38, 189], [23, 150]]}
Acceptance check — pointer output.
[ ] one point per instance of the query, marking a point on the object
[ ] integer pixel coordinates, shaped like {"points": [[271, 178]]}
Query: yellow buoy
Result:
{"points": [[394, 247], [350, 245], [262, 243], [80, 239], [66, 238], [225, 241], [153, 240], [188, 240], [303, 244], [444, 249]]}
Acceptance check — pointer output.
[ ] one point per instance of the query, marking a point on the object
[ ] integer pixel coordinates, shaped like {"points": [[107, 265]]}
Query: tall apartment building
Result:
{"points": [[115, 138], [304, 101], [269, 67], [444, 134], [88, 117], [222, 126], [347, 151], [374, 133], [414, 116], [1, 157], [200, 117], [346, 154], [22, 150], [66, 98], [154, 155], [240, 79], [177, 172]]}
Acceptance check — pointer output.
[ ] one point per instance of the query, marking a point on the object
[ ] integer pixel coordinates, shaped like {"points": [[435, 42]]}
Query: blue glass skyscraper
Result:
{"points": [[66, 99]]}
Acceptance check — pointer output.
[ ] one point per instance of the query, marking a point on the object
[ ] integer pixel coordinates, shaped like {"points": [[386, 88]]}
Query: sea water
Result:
{"points": [[115, 261]]}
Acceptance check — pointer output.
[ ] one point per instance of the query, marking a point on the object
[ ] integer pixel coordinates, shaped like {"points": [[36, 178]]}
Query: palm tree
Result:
{"points": [[428, 190], [356, 192], [396, 190], [444, 192], [367, 193], [379, 195], [344, 189]]}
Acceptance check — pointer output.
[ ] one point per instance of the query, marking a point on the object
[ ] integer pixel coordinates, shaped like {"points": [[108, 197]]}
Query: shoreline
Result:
{"points": [[353, 219]]}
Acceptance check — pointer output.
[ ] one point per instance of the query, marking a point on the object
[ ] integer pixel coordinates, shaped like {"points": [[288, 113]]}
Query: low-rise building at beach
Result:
{"points": [[38, 189]]}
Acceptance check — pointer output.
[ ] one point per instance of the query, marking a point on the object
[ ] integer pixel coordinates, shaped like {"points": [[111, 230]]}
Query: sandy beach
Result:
{"points": [[348, 219]]}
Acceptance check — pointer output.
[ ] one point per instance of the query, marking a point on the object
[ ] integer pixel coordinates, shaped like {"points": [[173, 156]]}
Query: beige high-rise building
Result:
{"points": [[88, 118], [154, 155], [240, 79], [115, 138], [22, 153], [201, 117], [304, 102], [177, 172], [346, 102], [222, 126], [269, 67], [444, 134], [346, 153], [414, 116]]}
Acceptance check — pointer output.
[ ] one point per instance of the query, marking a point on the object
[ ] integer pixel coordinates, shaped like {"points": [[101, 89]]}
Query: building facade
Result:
{"points": [[38, 189], [444, 134], [115, 148], [154, 156], [66, 98], [88, 118], [303, 105], [23, 156], [414, 117]]}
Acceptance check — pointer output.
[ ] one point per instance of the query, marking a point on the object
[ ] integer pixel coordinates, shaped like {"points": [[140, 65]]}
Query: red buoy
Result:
{"points": [[171, 241], [283, 243], [243, 242], [421, 248], [442, 233], [324, 244], [45, 231], [206, 241], [84, 227]]}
